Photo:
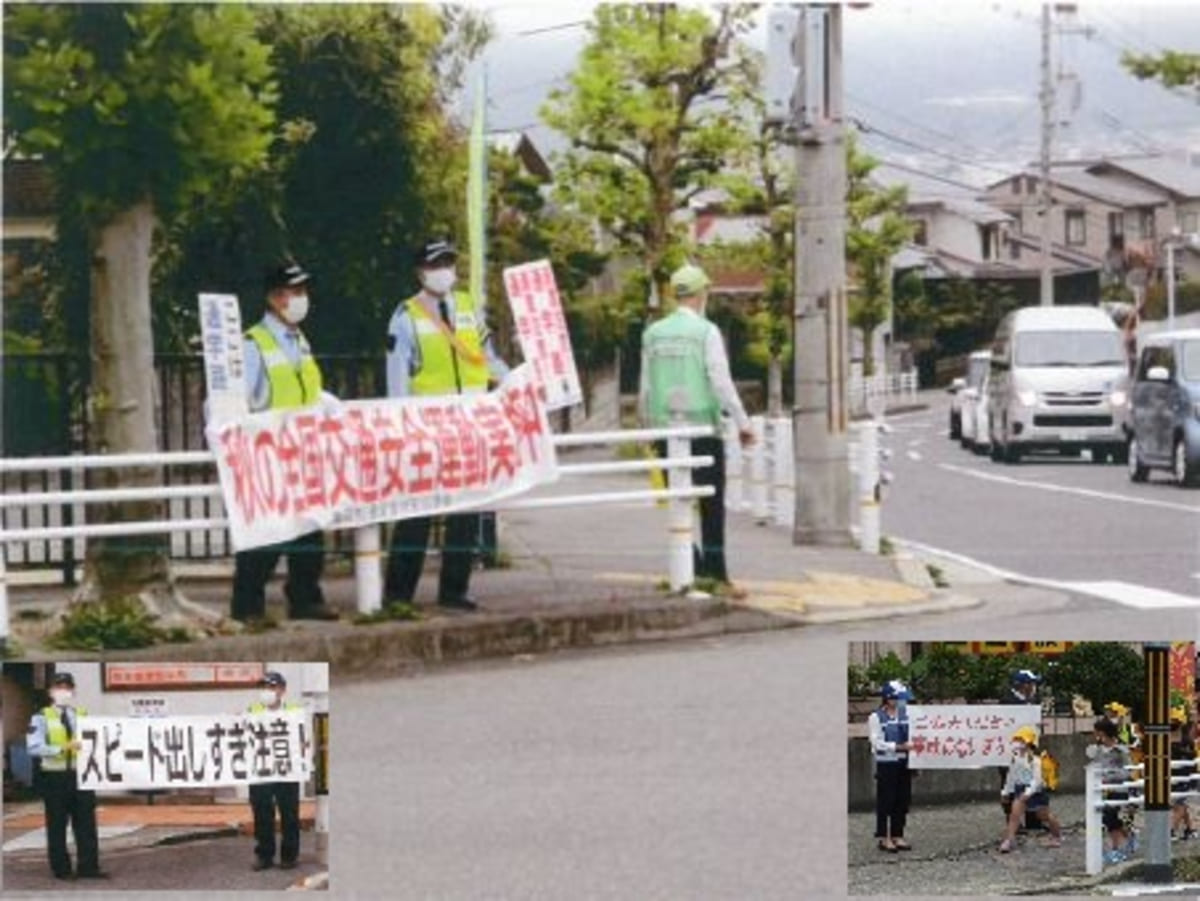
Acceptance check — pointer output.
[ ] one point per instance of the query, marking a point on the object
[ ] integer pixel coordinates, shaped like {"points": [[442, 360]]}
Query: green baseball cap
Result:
{"points": [[688, 280]]}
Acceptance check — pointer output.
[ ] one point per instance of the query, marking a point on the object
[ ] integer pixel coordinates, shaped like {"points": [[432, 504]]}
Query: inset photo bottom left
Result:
{"points": [[165, 776]]}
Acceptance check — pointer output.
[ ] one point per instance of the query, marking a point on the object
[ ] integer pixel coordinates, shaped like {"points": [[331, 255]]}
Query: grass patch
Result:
{"points": [[121, 623], [395, 611], [886, 546]]}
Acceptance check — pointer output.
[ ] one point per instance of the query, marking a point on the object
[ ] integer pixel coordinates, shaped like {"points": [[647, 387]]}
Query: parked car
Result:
{"points": [[971, 436], [1164, 416], [1059, 381]]}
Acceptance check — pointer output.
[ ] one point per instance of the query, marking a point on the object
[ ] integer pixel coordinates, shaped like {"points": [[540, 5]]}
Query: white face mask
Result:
{"points": [[295, 309], [439, 281], [61, 696], [268, 696]]}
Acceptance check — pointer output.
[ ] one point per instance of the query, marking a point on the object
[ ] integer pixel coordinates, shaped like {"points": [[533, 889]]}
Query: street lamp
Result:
{"points": [[1176, 240]]}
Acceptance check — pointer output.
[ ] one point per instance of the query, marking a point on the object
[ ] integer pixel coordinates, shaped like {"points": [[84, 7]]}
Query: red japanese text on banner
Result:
{"points": [[287, 473], [542, 331], [965, 736]]}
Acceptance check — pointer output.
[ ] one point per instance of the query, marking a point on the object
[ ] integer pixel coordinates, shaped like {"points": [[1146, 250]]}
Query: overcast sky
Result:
{"points": [[955, 78]]}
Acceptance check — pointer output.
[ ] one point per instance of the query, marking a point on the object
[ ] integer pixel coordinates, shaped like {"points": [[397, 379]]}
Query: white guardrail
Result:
{"points": [[1095, 802], [761, 480], [898, 385], [679, 494]]}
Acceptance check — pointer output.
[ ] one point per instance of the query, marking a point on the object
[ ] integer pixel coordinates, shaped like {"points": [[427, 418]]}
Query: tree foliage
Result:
{"points": [[1101, 671], [875, 230], [648, 127], [1174, 68]]}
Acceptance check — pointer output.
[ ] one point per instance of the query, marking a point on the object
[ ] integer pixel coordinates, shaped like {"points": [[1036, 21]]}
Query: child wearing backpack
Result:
{"points": [[1112, 757], [1026, 787]]}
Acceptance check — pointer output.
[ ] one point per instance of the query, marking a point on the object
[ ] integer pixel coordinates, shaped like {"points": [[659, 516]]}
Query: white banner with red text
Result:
{"points": [[542, 332], [125, 753], [965, 736], [286, 473]]}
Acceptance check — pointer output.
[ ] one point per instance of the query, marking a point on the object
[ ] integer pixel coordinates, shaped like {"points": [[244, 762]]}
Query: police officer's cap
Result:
{"points": [[1025, 677], [63, 679], [285, 274], [431, 252], [273, 679]]}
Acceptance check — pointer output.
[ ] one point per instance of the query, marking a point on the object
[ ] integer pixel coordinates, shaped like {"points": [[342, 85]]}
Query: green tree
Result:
{"points": [[647, 122], [1101, 671], [875, 230], [365, 164], [1173, 68], [137, 110]]}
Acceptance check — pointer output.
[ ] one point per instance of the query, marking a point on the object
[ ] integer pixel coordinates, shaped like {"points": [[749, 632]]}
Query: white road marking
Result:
{"points": [[916, 442], [1124, 593], [913, 455], [1064, 489]]}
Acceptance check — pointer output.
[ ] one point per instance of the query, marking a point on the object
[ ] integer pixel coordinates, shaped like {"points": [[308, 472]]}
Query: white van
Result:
{"points": [[1059, 381]]}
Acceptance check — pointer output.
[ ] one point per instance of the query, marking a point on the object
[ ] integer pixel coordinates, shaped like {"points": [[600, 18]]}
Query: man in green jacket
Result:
{"points": [[685, 380]]}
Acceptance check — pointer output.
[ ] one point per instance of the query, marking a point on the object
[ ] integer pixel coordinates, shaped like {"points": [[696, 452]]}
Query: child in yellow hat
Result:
{"points": [[1024, 785]]}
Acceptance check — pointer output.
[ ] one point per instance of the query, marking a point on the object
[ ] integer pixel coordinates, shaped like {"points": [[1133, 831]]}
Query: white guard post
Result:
{"points": [[868, 486], [1091, 817], [679, 518], [368, 576], [783, 471], [735, 463], [759, 506]]}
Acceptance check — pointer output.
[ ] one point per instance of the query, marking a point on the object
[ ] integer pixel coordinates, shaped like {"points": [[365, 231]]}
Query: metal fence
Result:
{"points": [[45, 415]]}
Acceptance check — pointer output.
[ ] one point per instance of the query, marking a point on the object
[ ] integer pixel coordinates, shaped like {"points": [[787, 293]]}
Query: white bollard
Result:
{"points": [[759, 505], [735, 462], [368, 574], [868, 490], [1091, 817], [783, 473], [679, 519]]}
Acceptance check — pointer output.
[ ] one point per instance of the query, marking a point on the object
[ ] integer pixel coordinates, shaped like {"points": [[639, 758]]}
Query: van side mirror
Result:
{"points": [[1158, 374], [957, 385]]}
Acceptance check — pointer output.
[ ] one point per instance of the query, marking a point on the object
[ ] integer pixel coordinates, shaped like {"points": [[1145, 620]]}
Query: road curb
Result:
{"points": [[406, 647], [936, 605], [196, 835]]}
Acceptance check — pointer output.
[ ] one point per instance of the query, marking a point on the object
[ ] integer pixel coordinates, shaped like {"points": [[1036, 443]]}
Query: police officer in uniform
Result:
{"points": [[281, 374], [265, 797], [438, 344], [52, 742], [888, 729], [685, 380]]}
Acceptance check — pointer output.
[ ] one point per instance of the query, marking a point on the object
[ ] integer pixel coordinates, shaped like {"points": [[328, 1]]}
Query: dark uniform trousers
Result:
{"points": [[253, 569], [709, 556], [264, 798], [893, 794], [406, 556], [64, 803]]}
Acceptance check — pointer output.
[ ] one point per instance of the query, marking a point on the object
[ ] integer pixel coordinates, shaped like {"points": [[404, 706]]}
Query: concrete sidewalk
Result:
{"points": [[577, 577]]}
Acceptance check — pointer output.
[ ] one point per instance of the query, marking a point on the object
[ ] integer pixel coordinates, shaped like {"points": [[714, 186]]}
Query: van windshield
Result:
{"points": [[1191, 361], [1063, 348]]}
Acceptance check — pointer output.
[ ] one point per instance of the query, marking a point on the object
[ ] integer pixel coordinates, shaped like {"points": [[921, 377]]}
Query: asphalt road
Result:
{"points": [[1049, 517], [701, 770], [210, 865]]}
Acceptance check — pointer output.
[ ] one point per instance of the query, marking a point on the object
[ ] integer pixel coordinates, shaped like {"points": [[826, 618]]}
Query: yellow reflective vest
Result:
{"points": [[259, 707], [290, 386], [449, 365], [56, 735]]}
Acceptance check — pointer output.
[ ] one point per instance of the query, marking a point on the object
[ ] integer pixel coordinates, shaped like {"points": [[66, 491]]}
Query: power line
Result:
{"points": [[872, 129]]}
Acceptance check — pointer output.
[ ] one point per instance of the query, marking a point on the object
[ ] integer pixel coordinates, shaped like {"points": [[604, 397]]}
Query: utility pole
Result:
{"points": [[1045, 203], [821, 372], [1156, 770]]}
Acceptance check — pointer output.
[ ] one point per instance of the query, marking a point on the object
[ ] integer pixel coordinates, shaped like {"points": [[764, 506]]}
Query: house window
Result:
{"points": [[1189, 223], [1075, 228], [920, 233], [1116, 225], [1147, 217], [1014, 249], [1030, 185], [1016, 185], [1139, 225]]}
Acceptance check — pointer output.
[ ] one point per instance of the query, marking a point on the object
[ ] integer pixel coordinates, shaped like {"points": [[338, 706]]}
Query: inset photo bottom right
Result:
{"points": [[1022, 767]]}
